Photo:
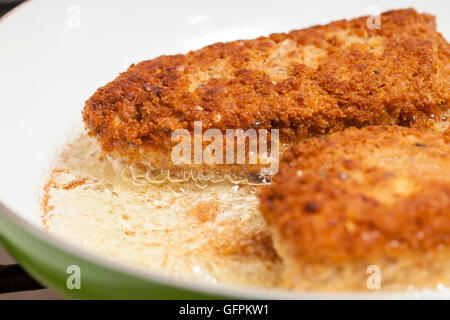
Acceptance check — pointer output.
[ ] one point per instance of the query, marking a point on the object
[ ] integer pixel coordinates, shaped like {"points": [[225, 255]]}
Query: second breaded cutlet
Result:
{"points": [[306, 82], [377, 197]]}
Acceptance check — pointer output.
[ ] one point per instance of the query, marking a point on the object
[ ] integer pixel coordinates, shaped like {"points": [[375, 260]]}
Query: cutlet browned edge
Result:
{"points": [[372, 196], [306, 82]]}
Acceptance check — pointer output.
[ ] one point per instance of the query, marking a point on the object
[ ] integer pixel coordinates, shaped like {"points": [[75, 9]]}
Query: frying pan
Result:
{"points": [[54, 54]]}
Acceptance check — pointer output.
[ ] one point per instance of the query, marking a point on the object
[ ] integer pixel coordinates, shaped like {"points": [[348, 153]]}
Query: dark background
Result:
{"points": [[6, 5]]}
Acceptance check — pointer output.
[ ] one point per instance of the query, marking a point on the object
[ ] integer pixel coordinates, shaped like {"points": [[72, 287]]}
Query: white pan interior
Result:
{"points": [[54, 54]]}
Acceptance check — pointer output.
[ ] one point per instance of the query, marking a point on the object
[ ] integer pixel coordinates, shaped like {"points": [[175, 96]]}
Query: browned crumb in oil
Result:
{"points": [[204, 211], [74, 184], [258, 245]]}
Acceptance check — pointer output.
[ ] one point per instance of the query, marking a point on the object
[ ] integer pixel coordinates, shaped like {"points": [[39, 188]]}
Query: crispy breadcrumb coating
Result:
{"points": [[373, 196], [306, 82]]}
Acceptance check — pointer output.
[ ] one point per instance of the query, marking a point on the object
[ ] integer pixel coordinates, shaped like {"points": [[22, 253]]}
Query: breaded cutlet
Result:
{"points": [[377, 196], [306, 82]]}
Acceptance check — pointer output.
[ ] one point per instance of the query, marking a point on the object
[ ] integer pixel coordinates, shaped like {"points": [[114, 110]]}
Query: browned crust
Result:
{"points": [[367, 194], [306, 82]]}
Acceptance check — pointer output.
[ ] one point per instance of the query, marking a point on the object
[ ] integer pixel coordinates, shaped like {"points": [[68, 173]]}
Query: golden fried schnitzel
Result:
{"points": [[305, 83], [377, 197]]}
